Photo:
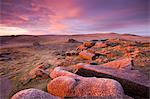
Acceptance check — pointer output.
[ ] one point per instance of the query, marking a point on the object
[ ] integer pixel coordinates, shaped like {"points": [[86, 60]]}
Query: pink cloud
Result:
{"points": [[53, 16]]}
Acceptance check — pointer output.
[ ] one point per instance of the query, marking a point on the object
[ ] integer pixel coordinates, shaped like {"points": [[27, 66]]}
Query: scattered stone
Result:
{"points": [[5, 56], [133, 82], [88, 44], [33, 94], [100, 45], [112, 44], [71, 53], [36, 43], [86, 55], [103, 52], [59, 52], [142, 59], [103, 40], [94, 41], [81, 48], [91, 50]]}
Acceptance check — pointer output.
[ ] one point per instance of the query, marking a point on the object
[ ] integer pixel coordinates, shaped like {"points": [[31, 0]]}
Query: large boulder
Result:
{"points": [[133, 82], [33, 94], [65, 86], [124, 63]]}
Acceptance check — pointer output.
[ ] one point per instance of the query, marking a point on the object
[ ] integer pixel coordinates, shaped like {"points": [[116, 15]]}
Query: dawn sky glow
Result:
{"points": [[39, 17]]}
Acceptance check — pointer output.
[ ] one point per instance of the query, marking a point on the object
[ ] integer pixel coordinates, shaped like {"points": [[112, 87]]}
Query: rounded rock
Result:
{"points": [[33, 94]]}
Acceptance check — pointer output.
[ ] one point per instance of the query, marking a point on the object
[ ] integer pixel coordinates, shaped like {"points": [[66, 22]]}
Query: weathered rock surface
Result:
{"points": [[88, 44], [125, 64], [67, 84], [81, 48], [42, 73], [133, 82], [33, 94], [100, 97], [100, 45], [62, 71], [38, 71], [87, 55]]}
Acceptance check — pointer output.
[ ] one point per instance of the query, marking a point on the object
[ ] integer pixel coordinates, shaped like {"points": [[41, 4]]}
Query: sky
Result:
{"points": [[69, 17]]}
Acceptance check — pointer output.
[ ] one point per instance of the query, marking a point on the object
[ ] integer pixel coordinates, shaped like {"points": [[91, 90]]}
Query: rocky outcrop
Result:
{"points": [[67, 84], [85, 45], [133, 82], [124, 64], [33, 94]]}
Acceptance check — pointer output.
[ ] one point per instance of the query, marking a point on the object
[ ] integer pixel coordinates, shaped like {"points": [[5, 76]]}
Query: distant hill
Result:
{"points": [[24, 40]]}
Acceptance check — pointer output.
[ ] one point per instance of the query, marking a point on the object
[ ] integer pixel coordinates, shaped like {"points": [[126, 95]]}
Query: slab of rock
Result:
{"points": [[133, 82], [125, 64], [33, 94]]}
